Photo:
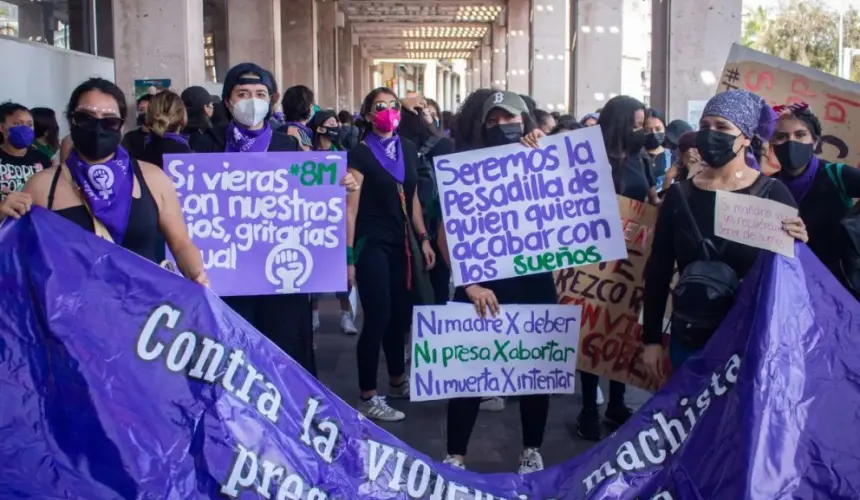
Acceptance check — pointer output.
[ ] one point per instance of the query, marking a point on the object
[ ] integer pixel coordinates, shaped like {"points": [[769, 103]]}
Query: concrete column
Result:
{"points": [[178, 55], [327, 53], [486, 62], [430, 83], [550, 73], [499, 62], [598, 52], [299, 44], [519, 40], [344, 67], [358, 90], [695, 51], [366, 78], [254, 34]]}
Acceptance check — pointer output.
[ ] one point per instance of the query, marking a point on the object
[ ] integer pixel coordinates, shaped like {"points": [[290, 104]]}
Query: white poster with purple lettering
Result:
{"points": [[510, 210]]}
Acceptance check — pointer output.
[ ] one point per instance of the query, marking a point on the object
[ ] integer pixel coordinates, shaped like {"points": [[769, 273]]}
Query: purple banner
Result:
{"points": [[266, 223], [120, 380]]}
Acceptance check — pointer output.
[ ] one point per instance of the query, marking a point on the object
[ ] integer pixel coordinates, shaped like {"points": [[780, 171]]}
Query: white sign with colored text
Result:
{"points": [[526, 349], [753, 221], [511, 210]]}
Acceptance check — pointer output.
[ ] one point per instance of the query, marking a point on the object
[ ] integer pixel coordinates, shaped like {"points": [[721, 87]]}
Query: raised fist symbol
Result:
{"points": [[289, 266]]}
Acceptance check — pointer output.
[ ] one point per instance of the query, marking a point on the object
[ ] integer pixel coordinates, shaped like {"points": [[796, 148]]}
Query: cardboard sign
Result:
{"points": [[753, 221], [835, 101], [611, 294]]}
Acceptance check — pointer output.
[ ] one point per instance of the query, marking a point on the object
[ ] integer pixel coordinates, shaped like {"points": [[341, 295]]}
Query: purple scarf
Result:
{"points": [[800, 185], [389, 154], [301, 126], [107, 189], [242, 140], [171, 136]]}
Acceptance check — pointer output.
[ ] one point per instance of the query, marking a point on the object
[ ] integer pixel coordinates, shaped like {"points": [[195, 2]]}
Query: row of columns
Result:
{"points": [[302, 42], [574, 55]]}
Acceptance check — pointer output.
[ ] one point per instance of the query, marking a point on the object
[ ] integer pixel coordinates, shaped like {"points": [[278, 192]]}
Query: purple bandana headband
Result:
{"points": [[748, 111]]}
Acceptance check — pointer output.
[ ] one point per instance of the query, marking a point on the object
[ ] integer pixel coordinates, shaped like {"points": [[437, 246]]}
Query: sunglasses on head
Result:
{"points": [[382, 106], [89, 122]]}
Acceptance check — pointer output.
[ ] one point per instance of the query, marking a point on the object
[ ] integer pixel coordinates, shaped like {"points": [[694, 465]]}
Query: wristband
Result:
{"points": [[423, 237], [350, 256]]}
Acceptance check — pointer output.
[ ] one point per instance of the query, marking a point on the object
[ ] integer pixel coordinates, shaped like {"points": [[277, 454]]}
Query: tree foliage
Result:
{"points": [[804, 31]]}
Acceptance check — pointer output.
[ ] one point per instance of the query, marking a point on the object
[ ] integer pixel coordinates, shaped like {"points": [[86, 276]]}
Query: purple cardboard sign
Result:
{"points": [[266, 223]]}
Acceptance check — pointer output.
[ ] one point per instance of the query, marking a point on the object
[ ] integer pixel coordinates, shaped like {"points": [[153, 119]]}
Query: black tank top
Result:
{"points": [[142, 236]]}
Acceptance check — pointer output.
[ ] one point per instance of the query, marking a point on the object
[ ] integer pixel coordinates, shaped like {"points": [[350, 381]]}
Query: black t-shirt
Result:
{"points": [[674, 241], [214, 140], [16, 170], [632, 177], [380, 213], [823, 207], [134, 141], [157, 147]]}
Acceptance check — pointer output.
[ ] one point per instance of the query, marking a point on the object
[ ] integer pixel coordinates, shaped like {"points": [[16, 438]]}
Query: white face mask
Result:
{"points": [[250, 112]]}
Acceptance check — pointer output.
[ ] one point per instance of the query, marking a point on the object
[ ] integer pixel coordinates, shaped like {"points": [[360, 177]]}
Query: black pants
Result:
{"points": [[285, 320], [387, 305], [589, 390], [463, 412], [440, 278]]}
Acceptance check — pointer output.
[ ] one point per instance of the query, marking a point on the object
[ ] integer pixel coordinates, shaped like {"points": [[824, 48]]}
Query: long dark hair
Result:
{"points": [[467, 125], [45, 125], [616, 123], [363, 125]]}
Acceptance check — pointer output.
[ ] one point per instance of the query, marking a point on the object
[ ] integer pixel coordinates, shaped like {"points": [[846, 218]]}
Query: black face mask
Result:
{"points": [[793, 156], [507, 133], [716, 148], [654, 140], [332, 133], [635, 141], [141, 119], [95, 143]]}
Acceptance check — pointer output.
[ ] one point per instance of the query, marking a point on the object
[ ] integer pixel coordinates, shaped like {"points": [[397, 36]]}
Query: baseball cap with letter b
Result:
{"points": [[508, 101]]}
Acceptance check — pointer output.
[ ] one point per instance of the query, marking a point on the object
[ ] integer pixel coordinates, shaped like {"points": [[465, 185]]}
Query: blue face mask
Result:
{"points": [[20, 136]]}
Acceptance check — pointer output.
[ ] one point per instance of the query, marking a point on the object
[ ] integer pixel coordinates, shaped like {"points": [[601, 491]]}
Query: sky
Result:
{"points": [[835, 4]]}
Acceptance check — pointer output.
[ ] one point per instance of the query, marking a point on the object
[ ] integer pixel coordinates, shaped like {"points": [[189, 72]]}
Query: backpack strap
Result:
{"points": [[834, 171], [706, 245]]}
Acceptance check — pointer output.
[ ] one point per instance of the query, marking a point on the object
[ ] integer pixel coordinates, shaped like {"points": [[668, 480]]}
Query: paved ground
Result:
{"points": [[496, 439]]}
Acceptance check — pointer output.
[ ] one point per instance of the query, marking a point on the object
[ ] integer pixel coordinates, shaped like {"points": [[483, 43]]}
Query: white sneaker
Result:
{"points": [[454, 462], [530, 461], [347, 326], [315, 322], [377, 408], [494, 404], [600, 399], [399, 392]]}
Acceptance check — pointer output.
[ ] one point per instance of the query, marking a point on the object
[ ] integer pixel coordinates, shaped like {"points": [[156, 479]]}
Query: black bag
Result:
{"points": [[706, 290], [428, 192], [848, 266]]}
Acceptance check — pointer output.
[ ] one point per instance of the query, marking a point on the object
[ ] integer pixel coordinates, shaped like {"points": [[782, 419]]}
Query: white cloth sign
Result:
{"points": [[753, 221]]}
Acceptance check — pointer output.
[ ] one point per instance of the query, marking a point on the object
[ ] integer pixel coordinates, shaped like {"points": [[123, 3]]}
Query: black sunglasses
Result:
{"points": [[89, 122], [382, 106]]}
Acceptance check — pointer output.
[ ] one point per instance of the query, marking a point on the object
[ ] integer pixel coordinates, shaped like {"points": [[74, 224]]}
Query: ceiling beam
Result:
{"points": [[446, 3], [402, 41], [375, 25], [417, 18]]}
